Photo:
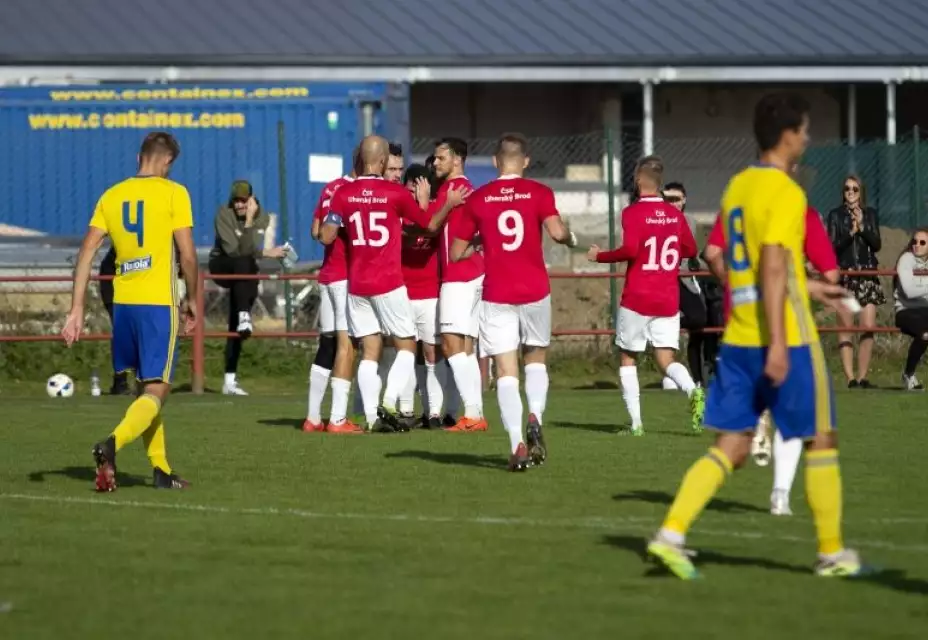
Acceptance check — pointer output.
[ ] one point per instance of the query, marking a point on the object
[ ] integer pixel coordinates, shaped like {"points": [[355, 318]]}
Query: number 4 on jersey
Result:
{"points": [[137, 227]]}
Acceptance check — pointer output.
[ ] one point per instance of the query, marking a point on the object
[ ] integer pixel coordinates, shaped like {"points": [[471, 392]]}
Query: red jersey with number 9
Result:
{"points": [[372, 212], [655, 238], [508, 214]]}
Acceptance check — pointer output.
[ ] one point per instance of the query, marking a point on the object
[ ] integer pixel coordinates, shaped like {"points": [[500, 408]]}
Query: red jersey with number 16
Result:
{"points": [[465, 270], [372, 212], [655, 238], [334, 262], [508, 214]]}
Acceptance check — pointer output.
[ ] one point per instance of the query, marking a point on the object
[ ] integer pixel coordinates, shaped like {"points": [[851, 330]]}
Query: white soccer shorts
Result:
{"points": [[425, 313], [387, 314], [506, 327], [458, 307], [333, 306], [635, 331]]}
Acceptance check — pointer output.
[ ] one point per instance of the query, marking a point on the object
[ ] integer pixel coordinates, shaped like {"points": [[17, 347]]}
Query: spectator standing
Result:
{"points": [[911, 295], [108, 268], [854, 229], [241, 225]]}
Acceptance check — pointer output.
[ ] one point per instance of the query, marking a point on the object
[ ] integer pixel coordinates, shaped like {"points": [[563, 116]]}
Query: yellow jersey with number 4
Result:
{"points": [[762, 205], [140, 215]]}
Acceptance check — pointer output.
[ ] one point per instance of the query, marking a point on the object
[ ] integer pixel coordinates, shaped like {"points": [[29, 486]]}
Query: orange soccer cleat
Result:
{"points": [[311, 427], [469, 424], [344, 427]]}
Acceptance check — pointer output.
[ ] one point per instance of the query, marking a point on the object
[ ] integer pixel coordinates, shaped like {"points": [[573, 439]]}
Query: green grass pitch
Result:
{"points": [[285, 534]]}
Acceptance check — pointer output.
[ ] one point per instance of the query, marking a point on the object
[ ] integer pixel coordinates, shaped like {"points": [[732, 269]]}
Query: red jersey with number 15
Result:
{"points": [[508, 213], [372, 212], [465, 270], [655, 238], [334, 261]]}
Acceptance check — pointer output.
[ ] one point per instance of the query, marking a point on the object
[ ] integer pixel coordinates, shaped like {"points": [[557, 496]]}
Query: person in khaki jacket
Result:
{"points": [[241, 225]]}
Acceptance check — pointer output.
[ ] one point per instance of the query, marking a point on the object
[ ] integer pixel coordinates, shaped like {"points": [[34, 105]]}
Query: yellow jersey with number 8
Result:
{"points": [[140, 215], [762, 205]]}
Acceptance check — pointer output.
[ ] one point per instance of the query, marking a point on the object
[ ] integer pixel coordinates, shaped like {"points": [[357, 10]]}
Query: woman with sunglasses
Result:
{"points": [[911, 294], [854, 229]]}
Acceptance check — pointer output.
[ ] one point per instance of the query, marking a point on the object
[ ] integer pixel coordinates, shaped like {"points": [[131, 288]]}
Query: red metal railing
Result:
{"points": [[200, 336]]}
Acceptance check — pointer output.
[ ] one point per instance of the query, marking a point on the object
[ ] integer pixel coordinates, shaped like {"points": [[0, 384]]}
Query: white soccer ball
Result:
{"points": [[60, 386]]}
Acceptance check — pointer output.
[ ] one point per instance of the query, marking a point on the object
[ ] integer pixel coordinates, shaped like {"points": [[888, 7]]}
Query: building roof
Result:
{"points": [[465, 32]]}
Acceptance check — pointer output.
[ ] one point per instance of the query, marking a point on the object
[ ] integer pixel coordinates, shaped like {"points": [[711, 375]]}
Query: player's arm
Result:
{"points": [[553, 222], [714, 253], [93, 239], [410, 210], [628, 250], [819, 250], [332, 221], [182, 227], [462, 246], [688, 246], [325, 199]]}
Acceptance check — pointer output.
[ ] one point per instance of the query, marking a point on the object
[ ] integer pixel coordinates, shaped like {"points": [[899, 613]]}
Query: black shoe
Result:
{"points": [[104, 457], [382, 426], [168, 480], [120, 385], [865, 384], [434, 422], [536, 441], [448, 421], [424, 421], [406, 422], [390, 418], [853, 384]]}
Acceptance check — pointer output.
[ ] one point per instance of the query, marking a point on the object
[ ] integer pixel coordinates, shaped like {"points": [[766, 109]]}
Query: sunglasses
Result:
{"points": [[851, 189], [920, 243]]}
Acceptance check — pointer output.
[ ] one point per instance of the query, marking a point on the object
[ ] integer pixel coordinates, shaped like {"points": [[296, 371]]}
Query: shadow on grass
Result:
{"points": [[188, 388], [662, 497], [86, 474], [588, 426], [293, 423], [460, 459], [597, 385]]}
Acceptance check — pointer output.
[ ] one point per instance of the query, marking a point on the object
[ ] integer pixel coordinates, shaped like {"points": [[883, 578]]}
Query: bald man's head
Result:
{"points": [[374, 152]]}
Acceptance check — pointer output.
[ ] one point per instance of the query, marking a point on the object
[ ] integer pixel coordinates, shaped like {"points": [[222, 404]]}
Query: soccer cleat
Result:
{"points": [[434, 422], [233, 390], [407, 421], [381, 426], [760, 450], [104, 457], [636, 431], [165, 480], [911, 383], [779, 503], [845, 564], [312, 427], [697, 409], [345, 426], [449, 420], [536, 441], [674, 557], [519, 460], [244, 328], [390, 418], [466, 424]]}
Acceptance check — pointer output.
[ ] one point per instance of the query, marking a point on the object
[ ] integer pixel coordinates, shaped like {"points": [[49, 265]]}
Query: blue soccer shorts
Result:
{"points": [[145, 340]]}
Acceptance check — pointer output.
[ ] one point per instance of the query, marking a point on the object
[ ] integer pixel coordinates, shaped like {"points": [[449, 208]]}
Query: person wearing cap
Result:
{"points": [[241, 225]]}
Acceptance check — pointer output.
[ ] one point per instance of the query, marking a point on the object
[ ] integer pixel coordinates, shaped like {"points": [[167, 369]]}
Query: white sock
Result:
{"points": [[340, 390], [668, 384], [510, 408], [408, 394], [477, 380], [421, 387], [631, 393], [786, 454], [463, 378], [536, 388], [401, 374], [318, 380], [681, 377], [452, 403], [435, 395], [369, 385], [230, 380]]}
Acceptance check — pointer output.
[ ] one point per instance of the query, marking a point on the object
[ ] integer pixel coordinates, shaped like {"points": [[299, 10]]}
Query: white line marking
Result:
{"points": [[641, 524]]}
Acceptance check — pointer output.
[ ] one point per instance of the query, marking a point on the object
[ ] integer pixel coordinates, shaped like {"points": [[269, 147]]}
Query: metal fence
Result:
{"points": [[896, 176]]}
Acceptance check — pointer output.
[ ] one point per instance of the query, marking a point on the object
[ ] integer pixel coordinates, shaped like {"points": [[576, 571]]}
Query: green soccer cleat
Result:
{"points": [[846, 565], [674, 558], [637, 431], [697, 409]]}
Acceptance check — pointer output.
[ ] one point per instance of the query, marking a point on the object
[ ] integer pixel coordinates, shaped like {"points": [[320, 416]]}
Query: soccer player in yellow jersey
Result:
{"points": [[770, 357], [146, 217]]}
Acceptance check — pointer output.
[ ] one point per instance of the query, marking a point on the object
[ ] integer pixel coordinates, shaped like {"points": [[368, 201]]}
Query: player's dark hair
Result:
{"points": [[775, 114], [457, 146], [675, 186], [415, 171], [396, 150], [860, 185], [511, 143], [653, 167], [160, 143]]}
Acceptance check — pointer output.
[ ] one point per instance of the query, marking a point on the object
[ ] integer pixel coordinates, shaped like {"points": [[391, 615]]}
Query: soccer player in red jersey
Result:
{"points": [[655, 236], [459, 296], [421, 275], [335, 354], [509, 214], [786, 453], [371, 211]]}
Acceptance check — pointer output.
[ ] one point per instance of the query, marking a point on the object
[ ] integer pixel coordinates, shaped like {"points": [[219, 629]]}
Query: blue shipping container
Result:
{"points": [[63, 146]]}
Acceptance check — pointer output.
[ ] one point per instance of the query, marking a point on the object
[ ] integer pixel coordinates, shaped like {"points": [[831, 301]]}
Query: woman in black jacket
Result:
{"points": [[854, 229]]}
